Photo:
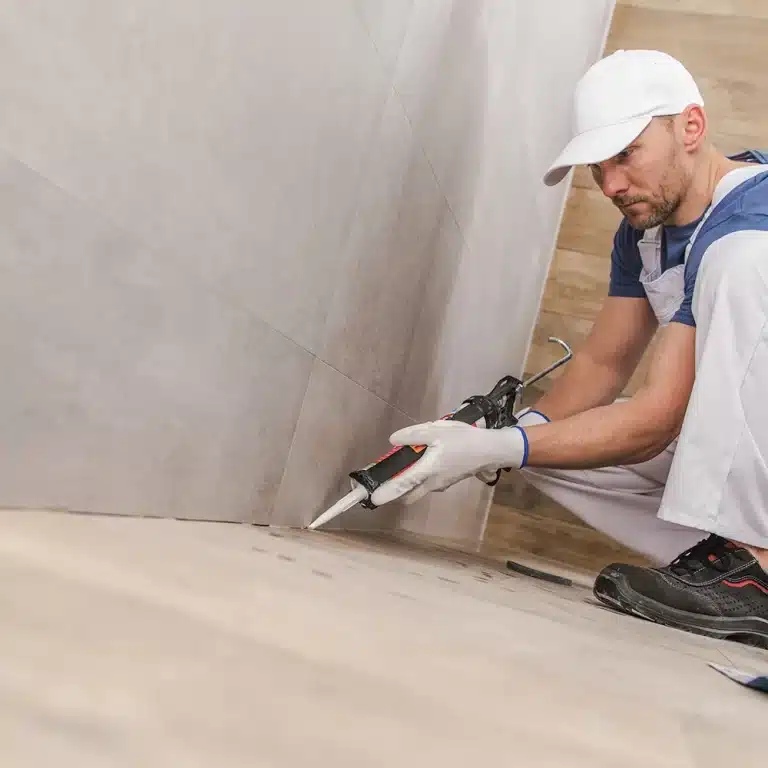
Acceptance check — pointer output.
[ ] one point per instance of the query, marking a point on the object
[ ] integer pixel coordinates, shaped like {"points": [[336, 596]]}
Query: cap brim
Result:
{"points": [[595, 146]]}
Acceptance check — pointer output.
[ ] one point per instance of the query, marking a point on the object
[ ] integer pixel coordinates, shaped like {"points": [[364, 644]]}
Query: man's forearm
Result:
{"points": [[620, 433], [630, 431]]}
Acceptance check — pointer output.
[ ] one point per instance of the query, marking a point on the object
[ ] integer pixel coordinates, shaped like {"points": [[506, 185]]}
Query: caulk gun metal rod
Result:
{"points": [[556, 364]]}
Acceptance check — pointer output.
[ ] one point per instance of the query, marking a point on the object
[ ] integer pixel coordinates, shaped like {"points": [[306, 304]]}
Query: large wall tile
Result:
{"points": [[386, 22], [442, 79], [473, 329], [342, 427], [128, 387], [229, 133], [262, 185], [530, 119], [491, 120], [436, 372], [392, 244], [490, 117]]}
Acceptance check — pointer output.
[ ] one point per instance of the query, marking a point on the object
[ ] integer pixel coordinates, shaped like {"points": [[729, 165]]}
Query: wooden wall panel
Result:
{"points": [[724, 43], [740, 9], [589, 222], [577, 284]]}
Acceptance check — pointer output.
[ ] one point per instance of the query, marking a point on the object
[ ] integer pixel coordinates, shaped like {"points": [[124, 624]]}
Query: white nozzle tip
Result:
{"points": [[349, 501]]}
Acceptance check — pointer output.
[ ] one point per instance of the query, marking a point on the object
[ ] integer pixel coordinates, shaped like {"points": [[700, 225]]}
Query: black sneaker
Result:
{"points": [[715, 588]]}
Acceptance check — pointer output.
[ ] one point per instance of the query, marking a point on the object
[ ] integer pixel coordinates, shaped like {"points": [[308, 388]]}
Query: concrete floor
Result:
{"points": [[127, 642]]}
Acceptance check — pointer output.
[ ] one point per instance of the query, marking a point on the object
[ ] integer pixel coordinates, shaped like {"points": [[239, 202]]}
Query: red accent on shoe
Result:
{"points": [[746, 583]]}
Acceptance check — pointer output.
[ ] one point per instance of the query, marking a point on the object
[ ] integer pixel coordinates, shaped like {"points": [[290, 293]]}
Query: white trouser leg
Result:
{"points": [[719, 480], [621, 502]]}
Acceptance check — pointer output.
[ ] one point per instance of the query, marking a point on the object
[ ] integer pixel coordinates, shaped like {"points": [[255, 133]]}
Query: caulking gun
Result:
{"points": [[492, 411]]}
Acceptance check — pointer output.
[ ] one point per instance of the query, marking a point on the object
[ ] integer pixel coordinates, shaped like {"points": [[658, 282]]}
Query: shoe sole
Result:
{"points": [[616, 593]]}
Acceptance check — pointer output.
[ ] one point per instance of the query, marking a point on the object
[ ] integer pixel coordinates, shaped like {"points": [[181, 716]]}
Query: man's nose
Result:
{"points": [[614, 182]]}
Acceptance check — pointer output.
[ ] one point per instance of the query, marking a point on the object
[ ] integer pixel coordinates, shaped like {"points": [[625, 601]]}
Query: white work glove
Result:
{"points": [[527, 417], [454, 452]]}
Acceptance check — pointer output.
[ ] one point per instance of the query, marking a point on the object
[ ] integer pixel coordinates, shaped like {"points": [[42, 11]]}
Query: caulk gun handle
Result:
{"points": [[401, 457]]}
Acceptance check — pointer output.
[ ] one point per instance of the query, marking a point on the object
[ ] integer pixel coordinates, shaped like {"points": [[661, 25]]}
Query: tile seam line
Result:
{"points": [[144, 244], [465, 247], [364, 163]]}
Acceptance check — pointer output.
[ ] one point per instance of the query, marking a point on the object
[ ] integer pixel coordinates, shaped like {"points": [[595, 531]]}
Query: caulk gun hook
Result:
{"points": [[568, 355]]}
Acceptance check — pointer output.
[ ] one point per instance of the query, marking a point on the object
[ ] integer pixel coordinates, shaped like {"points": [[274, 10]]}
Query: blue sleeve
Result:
{"points": [[626, 263]]}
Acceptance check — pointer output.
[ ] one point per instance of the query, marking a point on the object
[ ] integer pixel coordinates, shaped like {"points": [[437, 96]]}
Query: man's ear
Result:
{"points": [[693, 125]]}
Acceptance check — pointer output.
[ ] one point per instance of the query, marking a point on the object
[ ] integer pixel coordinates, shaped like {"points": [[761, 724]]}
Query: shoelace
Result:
{"points": [[712, 552]]}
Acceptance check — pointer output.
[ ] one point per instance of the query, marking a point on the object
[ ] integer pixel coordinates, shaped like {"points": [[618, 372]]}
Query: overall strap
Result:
{"points": [[751, 156]]}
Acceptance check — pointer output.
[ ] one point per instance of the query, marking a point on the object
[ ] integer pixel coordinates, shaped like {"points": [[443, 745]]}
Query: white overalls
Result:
{"points": [[663, 506]]}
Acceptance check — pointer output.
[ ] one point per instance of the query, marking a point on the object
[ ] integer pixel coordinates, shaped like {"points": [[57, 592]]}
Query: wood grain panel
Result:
{"points": [[749, 9], [572, 330], [729, 47], [589, 222], [552, 539], [582, 177], [577, 283]]}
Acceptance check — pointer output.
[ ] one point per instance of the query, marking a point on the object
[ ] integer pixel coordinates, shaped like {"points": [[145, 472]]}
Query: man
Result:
{"points": [[687, 455]]}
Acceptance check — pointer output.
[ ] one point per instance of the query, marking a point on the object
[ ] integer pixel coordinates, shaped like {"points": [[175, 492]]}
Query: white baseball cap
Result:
{"points": [[616, 100]]}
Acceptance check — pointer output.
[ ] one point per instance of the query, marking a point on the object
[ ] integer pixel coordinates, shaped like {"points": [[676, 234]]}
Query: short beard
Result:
{"points": [[661, 208], [671, 191]]}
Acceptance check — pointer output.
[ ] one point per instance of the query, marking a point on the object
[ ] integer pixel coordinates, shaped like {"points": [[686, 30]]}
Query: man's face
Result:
{"points": [[647, 180]]}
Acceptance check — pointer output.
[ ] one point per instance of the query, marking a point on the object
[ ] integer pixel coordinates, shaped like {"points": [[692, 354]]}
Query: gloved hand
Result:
{"points": [[454, 452], [525, 418]]}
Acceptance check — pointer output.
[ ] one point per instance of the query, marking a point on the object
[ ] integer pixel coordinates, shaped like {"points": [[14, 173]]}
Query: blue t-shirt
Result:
{"points": [[626, 264]]}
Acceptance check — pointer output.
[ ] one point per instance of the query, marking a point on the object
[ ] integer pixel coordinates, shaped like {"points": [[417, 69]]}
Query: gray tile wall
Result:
{"points": [[243, 242]]}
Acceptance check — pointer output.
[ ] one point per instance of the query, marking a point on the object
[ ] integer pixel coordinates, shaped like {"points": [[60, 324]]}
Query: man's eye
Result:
{"points": [[624, 155]]}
